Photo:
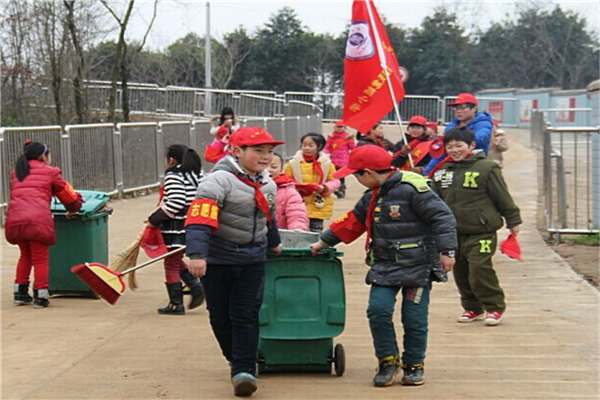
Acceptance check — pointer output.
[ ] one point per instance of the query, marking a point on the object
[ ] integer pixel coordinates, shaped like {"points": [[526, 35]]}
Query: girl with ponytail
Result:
{"points": [[29, 222], [184, 171]]}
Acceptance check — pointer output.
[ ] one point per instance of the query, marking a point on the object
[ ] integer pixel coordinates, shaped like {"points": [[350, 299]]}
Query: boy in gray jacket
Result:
{"points": [[229, 228]]}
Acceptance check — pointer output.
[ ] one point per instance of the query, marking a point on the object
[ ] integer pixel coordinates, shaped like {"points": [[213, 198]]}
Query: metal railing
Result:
{"points": [[129, 157], [570, 171], [332, 104]]}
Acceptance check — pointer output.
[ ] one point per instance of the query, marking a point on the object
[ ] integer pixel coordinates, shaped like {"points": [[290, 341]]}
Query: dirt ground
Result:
{"points": [[583, 259]]}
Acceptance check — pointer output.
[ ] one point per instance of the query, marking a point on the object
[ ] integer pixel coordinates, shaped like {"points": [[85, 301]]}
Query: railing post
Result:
{"points": [[118, 159], [67, 160]]}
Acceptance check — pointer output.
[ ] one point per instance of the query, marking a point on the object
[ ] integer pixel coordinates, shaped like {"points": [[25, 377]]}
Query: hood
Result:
{"points": [[230, 164]]}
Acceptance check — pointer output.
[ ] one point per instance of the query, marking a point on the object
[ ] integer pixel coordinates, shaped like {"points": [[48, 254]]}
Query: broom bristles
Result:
{"points": [[99, 285], [127, 259]]}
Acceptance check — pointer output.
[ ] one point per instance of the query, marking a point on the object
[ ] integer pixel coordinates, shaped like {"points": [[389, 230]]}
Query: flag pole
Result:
{"points": [[383, 64]]}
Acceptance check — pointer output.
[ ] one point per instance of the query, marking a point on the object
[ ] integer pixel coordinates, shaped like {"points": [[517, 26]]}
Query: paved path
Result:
{"points": [[547, 348]]}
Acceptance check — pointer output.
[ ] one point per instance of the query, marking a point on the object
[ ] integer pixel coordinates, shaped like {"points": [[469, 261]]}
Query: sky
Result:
{"points": [[176, 18]]}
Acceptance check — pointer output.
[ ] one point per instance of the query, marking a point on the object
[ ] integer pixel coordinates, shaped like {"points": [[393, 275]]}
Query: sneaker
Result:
{"points": [[414, 374], [244, 384], [493, 318], [21, 295], [470, 316], [386, 373]]}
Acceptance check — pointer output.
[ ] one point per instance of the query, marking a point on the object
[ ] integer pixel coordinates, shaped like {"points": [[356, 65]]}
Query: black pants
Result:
{"points": [[233, 298], [315, 225]]}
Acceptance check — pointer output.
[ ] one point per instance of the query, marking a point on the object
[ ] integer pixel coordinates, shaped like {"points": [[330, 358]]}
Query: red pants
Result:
{"points": [[173, 265], [36, 255]]}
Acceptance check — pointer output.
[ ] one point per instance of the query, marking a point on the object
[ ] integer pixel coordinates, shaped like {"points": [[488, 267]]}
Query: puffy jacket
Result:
{"points": [[410, 226], [291, 210], [243, 234], [477, 194], [338, 147], [28, 217], [302, 172], [481, 125]]}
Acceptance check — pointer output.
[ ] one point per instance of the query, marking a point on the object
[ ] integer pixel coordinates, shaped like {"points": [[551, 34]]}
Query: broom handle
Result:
{"points": [[152, 261]]}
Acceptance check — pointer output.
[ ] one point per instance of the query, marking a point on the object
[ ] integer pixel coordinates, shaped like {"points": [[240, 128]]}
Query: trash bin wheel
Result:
{"points": [[339, 359]]}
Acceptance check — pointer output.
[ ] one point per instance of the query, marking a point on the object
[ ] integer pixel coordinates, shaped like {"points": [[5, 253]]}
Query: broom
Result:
{"points": [[127, 259], [107, 283]]}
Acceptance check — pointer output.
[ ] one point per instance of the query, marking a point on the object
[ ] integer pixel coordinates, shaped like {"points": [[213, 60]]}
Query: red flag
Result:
{"points": [[371, 68]]}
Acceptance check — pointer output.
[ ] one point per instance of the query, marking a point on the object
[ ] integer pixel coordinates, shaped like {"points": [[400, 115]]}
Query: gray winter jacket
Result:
{"points": [[243, 234]]}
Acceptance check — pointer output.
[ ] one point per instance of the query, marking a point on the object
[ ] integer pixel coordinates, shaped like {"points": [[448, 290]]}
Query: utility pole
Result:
{"points": [[207, 66]]}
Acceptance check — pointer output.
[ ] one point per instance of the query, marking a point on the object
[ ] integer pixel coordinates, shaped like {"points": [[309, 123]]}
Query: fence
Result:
{"points": [[130, 156], [570, 171], [332, 104]]}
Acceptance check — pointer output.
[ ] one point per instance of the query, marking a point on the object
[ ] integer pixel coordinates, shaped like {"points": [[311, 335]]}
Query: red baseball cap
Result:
{"points": [[464, 98], [252, 136], [372, 157], [340, 122], [432, 125], [418, 120]]}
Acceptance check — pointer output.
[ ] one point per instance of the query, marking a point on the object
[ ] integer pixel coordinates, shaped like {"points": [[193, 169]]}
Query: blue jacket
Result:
{"points": [[481, 125]]}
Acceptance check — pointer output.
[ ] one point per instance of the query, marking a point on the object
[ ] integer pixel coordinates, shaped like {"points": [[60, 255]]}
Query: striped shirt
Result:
{"points": [[179, 191]]}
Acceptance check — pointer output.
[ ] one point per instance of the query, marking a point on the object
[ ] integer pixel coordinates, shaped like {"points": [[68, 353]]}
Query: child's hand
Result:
{"points": [[316, 248], [70, 214], [447, 262], [322, 189], [277, 250], [515, 230], [197, 268]]}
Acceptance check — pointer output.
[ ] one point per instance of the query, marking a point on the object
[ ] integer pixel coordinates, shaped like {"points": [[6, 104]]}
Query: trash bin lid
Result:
{"points": [[94, 201]]}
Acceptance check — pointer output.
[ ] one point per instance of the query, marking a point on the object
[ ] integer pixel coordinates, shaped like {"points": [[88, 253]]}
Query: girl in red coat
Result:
{"points": [[29, 222]]}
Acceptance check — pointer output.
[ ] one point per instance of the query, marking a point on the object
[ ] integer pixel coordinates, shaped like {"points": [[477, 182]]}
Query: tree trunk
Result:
{"points": [[124, 80], [79, 61]]}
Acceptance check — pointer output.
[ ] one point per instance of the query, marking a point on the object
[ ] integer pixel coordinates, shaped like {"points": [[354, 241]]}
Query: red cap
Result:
{"points": [[372, 157], [418, 120], [340, 122], [432, 125], [464, 98], [252, 136]]}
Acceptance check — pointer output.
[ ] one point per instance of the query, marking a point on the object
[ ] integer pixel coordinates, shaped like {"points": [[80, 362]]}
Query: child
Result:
{"points": [[229, 227], [412, 232], [375, 138], [291, 210], [313, 172], [339, 144], [498, 144], [222, 128], [475, 190], [29, 222], [184, 171], [432, 130], [418, 147]]}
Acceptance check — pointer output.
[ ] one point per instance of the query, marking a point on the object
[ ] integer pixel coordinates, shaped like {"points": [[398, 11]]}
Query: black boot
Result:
{"points": [[22, 296], [175, 306], [195, 287], [40, 298], [386, 373]]}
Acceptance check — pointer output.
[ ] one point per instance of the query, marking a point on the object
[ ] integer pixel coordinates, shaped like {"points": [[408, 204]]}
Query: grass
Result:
{"points": [[587, 240]]}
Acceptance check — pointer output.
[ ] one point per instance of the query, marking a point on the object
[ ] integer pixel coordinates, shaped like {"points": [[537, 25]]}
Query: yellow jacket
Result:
{"points": [[302, 172]]}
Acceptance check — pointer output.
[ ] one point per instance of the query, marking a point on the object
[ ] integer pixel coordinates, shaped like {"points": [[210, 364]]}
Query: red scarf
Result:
{"points": [[282, 180], [316, 167], [371, 211], [440, 165], [261, 202]]}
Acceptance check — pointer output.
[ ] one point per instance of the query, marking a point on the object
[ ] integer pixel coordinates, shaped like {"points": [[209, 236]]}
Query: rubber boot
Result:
{"points": [[40, 298], [195, 287], [175, 306], [22, 296]]}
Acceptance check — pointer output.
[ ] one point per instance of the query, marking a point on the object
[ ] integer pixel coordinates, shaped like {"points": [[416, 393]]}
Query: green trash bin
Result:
{"points": [[79, 240], [303, 310]]}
